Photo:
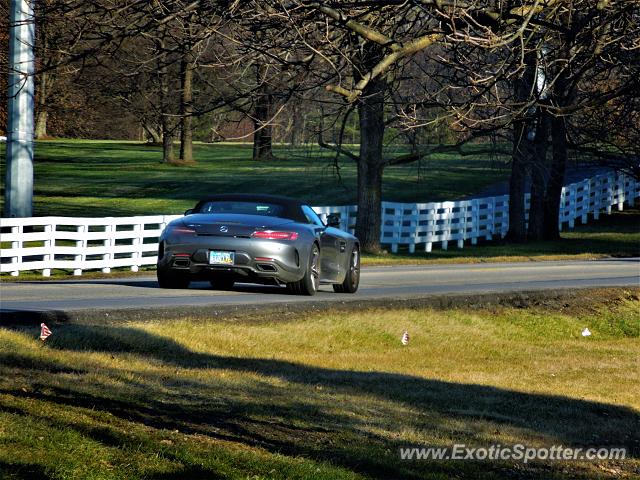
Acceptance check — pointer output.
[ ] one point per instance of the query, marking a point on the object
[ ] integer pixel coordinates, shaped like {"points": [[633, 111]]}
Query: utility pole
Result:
{"points": [[18, 194]]}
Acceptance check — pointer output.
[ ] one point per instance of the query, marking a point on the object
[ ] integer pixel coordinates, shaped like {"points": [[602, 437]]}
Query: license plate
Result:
{"points": [[218, 257]]}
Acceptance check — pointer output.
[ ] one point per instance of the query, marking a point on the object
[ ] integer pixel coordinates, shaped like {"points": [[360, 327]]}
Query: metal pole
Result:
{"points": [[19, 180]]}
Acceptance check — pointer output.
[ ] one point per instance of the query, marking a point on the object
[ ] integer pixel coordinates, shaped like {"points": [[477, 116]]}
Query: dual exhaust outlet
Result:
{"points": [[185, 262]]}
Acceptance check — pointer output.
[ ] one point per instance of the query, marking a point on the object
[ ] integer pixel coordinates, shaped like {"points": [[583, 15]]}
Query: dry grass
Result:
{"points": [[329, 395]]}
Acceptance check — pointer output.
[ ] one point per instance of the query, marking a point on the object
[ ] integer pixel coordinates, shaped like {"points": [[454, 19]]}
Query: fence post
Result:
{"points": [[49, 244], [628, 190], [413, 225], [462, 223], [81, 246], [609, 194], [341, 213], [491, 218], [597, 196], [137, 247], [396, 227], [109, 242], [431, 227], [563, 206], [344, 218], [475, 221], [17, 230], [447, 226], [586, 196], [428, 245], [620, 190], [572, 205], [353, 209]]}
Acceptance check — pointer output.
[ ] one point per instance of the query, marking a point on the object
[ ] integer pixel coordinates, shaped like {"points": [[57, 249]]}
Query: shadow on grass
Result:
{"points": [[255, 414], [613, 245], [192, 472], [84, 152], [22, 471]]}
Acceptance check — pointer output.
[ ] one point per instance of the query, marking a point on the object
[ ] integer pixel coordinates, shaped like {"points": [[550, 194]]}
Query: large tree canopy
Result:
{"points": [[545, 76]]}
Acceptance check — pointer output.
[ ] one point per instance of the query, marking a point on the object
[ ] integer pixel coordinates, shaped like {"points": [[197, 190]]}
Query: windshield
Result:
{"points": [[311, 216], [242, 208]]}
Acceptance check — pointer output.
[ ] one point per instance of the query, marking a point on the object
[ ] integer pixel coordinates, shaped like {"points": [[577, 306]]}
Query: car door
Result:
{"points": [[329, 245]]}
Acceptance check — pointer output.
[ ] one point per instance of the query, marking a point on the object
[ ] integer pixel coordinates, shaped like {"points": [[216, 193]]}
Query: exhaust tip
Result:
{"points": [[267, 267]]}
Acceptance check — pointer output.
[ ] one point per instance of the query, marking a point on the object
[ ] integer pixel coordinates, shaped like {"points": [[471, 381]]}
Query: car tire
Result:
{"points": [[168, 278], [352, 279], [222, 282], [309, 284]]}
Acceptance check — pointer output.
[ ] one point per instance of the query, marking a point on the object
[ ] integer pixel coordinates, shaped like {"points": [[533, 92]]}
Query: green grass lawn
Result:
{"points": [[100, 178], [107, 178], [328, 395]]}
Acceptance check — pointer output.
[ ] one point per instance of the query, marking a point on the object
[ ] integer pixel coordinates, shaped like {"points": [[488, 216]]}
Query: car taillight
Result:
{"points": [[272, 235], [184, 230]]}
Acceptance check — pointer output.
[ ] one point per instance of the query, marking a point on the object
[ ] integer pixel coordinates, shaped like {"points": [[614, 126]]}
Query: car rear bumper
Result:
{"points": [[254, 260]]}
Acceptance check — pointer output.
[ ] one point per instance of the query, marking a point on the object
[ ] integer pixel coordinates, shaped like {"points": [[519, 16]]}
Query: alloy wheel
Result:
{"points": [[355, 268], [315, 271]]}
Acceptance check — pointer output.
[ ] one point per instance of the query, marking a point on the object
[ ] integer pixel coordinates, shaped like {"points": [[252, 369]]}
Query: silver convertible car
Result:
{"points": [[257, 239]]}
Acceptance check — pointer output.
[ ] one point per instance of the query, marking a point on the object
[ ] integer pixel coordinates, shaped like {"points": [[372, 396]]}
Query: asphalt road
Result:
{"points": [[82, 297]]}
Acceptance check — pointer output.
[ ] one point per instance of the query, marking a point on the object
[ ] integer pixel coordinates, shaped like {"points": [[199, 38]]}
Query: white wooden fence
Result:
{"points": [[424, 224], [46, 243]]}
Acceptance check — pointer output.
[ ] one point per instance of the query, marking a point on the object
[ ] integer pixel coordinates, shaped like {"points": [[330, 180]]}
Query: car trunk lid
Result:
{"points": [[232, 225]]}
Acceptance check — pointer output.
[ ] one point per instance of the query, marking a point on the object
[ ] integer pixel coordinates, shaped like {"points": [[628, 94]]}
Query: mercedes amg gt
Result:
{"points": [[257, 239]]}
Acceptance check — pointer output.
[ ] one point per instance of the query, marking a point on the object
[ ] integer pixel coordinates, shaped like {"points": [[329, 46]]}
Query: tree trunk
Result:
{"points": [[168, 155], [262, 141], [539, 177], [165, 109], [559, 158], [186, 108], [369, 217], [551, 228], [521, 157], [295, 126], [370, 166], [41, 123], [41, 117], [44, 60], [152, 133], [517, 183]]}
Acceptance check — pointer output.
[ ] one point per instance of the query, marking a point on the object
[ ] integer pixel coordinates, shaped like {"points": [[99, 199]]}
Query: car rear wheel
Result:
{"points": [[352, 279], [168, 278], [222, 282], [309, 284]]}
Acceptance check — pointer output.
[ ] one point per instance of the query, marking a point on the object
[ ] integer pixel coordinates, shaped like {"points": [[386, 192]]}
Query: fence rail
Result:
{"points": [[413, 224], [78, 244], [46, 243]]}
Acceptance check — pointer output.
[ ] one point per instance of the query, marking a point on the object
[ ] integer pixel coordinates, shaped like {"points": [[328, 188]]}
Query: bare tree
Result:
{"points": [[530, 71], [572, 59], [360, 49]]}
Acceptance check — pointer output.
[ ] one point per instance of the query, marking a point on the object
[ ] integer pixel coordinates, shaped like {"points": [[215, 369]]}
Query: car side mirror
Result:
{"points": [[333, 220], [188, 212]]}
